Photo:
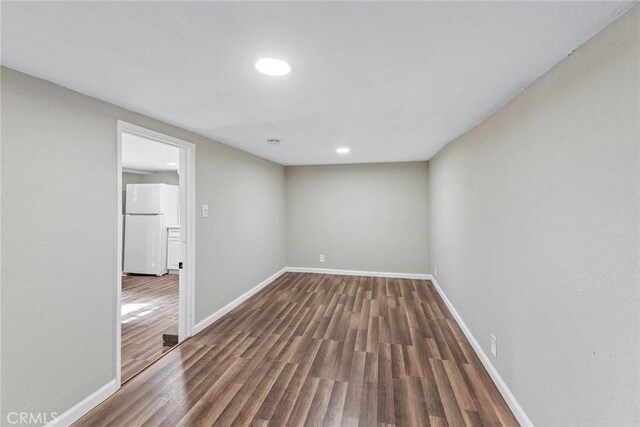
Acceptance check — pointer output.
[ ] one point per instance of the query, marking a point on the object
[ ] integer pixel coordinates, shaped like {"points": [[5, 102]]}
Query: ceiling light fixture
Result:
{"points": [[273, 141], [272, 67], [343, 150]]}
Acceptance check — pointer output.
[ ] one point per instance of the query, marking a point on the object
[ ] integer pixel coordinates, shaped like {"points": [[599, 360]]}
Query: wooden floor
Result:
{"points": [[149, 308], [316, 349]]}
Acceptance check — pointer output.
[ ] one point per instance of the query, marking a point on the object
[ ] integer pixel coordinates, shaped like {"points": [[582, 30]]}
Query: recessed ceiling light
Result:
{"points": [[172, 164], [343, 150], [273, 141], [273, 67]]}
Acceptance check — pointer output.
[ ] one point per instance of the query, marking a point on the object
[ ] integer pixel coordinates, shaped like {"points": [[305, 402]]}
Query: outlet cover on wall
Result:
{"points": [[321, 257], [435, 270], [494, 346], [205, 211]]}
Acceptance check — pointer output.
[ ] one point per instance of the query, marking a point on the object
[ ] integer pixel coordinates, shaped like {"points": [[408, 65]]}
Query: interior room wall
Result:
{"points": [[163, 177], [371, 217], [534, 234], [59, 244]]}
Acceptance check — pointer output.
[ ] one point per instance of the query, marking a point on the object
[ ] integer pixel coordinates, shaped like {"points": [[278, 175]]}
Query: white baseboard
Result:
{"points": [[515, 407], [74, 414], [418, 276], [200, 326]]}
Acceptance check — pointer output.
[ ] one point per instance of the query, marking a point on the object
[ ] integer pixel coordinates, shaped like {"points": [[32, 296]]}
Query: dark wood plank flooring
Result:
{"points": [[315, 349], [149, 308]]}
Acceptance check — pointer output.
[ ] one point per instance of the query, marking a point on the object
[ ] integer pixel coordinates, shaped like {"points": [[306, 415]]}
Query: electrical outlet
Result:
{"points": [[205, 211], [435, 270], [321, 257], [494, 346]]}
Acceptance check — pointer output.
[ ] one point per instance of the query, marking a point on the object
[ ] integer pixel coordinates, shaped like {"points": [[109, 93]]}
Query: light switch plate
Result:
{"points": [[205, 211]]}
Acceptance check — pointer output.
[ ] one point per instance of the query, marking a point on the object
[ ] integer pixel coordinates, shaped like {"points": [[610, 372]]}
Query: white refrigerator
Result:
{"points": [[149, 210]]}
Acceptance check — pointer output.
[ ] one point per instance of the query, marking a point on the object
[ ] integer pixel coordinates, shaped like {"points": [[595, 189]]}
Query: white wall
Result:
{"points": [[59, 237], [535, 234], [370, 217]]}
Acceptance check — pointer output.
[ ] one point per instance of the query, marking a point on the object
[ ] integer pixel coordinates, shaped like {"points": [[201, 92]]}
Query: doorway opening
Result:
{"points": [[155, 279]]}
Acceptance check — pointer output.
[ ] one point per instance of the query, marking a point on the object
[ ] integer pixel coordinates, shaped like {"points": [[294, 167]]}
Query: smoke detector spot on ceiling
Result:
{"points": [[273, 141]]}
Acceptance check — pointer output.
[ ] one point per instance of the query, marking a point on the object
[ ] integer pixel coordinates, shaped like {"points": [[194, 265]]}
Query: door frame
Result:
{"points": [[186, 322]]}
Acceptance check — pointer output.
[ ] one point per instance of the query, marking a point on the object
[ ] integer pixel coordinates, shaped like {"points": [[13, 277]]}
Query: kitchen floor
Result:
{"points": [[149, 310]]}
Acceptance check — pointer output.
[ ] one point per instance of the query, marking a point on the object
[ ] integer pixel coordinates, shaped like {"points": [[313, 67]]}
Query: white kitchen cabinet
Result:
{"points": [[173, 248]]}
